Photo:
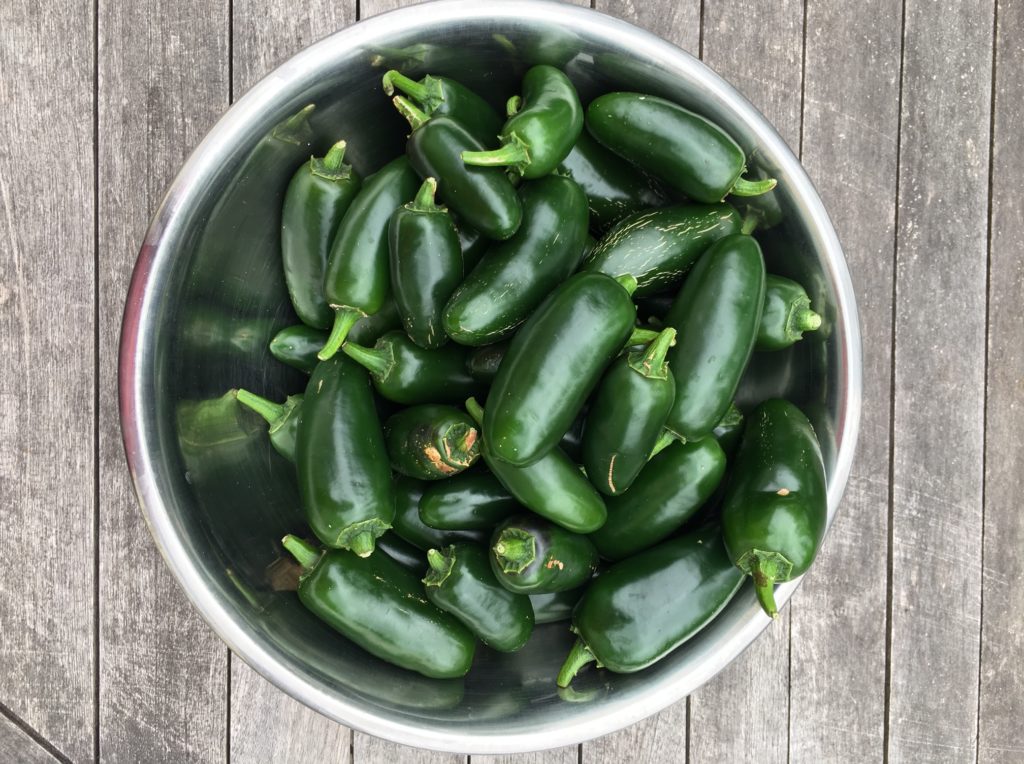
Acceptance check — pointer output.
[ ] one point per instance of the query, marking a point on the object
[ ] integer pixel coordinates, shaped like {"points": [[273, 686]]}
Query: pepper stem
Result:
{"points": [[515, 549], [806, 320], [665, 440], [744, 187], [513, 105], [578, 657], [651, 362], [641, 336], [475, 411], [332, 166], [441, 564], [417, 118], [296, 128], [424, 201], [372, 359], [395, 79], [460, 447], [628, 282], [513, 154], [305, 553], [344, 319], [362, 544], [269, 410], [750, 223], [766, 568]]}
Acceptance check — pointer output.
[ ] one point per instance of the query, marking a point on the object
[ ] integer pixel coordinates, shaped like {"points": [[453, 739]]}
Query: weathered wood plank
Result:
{"points": [[939, 380], [1001, 705], [850, 123], [163, 674], [367, 749], [567, 755], [17, 745], [677, 22], [47, 415]]}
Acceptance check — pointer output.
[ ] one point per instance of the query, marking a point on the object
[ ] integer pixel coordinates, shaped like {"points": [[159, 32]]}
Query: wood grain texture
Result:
{"points": [[17, 745], [47, 416], [367, 749], [850, 124], [566, 755], [939, 378], [677, 22], [163, 673], [1001, 705]]}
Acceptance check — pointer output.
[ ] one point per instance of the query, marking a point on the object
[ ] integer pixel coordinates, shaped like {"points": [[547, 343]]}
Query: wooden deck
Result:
{"points": [[906, 641]]}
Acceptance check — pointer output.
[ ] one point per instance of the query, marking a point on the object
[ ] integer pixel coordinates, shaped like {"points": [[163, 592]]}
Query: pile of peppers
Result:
{"points": [[491, 438]]}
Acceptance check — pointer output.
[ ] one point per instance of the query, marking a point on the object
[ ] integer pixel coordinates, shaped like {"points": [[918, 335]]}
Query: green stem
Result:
{"points": [[512, 154], [424, 201], [744, 187], [332, 166], [578, 657], [460, 446], [665, 440], [766, 568], [375, 361], [513, 105], [475, 411], [362, 544], [305, 553], [395, 79], [641, 336], [515, 549], [441, 564], [344, 319], [296, 128], [416, 117], [269, 410], [627, 281], [806, 320], [651, 362], [750, 223]]}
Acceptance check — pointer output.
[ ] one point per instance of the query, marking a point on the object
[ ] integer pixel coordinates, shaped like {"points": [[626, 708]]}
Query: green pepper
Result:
{"points": [[688, 152], [431, 441], [444, 97], [283, 419], [460, 581], [426, 265], [318, 196], [786, 316], [472, 243], [379, 605], [729, 430], [630, 407], [572, 441], [529, 555], [776, 502], [552, 486], [482, 364], [541, 129], [404, 372], [344, 480], [402, 552], [472, 501], [716, 314], [658, 247], [553, 364], [615, 189], [298, 345], [667, 492], [643, 608], [515, 276], [555, 606], [481, 196], [409, 527], [357, 280]]}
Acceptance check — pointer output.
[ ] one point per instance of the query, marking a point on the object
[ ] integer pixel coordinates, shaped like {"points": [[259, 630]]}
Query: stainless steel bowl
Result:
{"points": [[207, 294]]}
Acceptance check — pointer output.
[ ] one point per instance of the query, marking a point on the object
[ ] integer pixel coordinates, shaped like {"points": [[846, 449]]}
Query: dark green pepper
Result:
{"points": [[668, 491], [555, 606], [357, 281], [627, 415], [444, 97], [473, 245], [515, 276], [283, 419], [482, 364], [554, 363], [473, 501], [786, 316], [716, 314], [431, 441], [409, 527], [404, 372], [729, 430], [658, 247], [380, 606], [529, 555], [460, 581], [688, 152], [298, 345], [481, 196], [426, 265], [318, 196], [402, 552], [552, 486], [344, 480], [643, 608], [542, 126], [776, 501]]}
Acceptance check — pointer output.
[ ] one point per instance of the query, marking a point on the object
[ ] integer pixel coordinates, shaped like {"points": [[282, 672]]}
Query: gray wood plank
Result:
{"points": [[1001, 705], [850, 123], [17, 745], [939, 381], [163, 673], [677, 22], [566, 755], [47, 415]]}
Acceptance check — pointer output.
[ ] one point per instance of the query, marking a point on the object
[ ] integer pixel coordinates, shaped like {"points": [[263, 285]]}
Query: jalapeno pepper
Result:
{"points": [[729, 430], [482, 196], [668, 491], [643, 608], [658, 247], [626, 417], [473, 501], [482, 364], [431, 441], [344, 480], [283, 419], [298, 345], [542, 126], [532, 556], [684, 150], [319, 194], [402, 552], [444, 97], [409, 527], [515, 276], [460, 581], [716, 314], [378, 604], [357, 280], [473, 245], [406, 373], [552, 486], [776, 502], [786, 316], [426, 265], [554, 363], [555, 606]]}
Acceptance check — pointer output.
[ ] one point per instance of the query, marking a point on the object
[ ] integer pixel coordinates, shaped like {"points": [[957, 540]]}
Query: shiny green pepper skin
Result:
{"points": [[445, 97], [431, 441], [786, 316], [283, 419], [555, 606], [482, 364], [472, 501], [410, 528], [530, 555], [402, 552], [298, 345]]}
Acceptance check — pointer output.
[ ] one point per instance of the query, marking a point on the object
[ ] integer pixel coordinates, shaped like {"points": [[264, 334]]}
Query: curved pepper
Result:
{"points": [[431, 441], [555, 606], [283, 419], [529, 555], [402, 552], [786, 316], [298, 345], [472, 501], [409, 527], [482, 364], [444, 97]]}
